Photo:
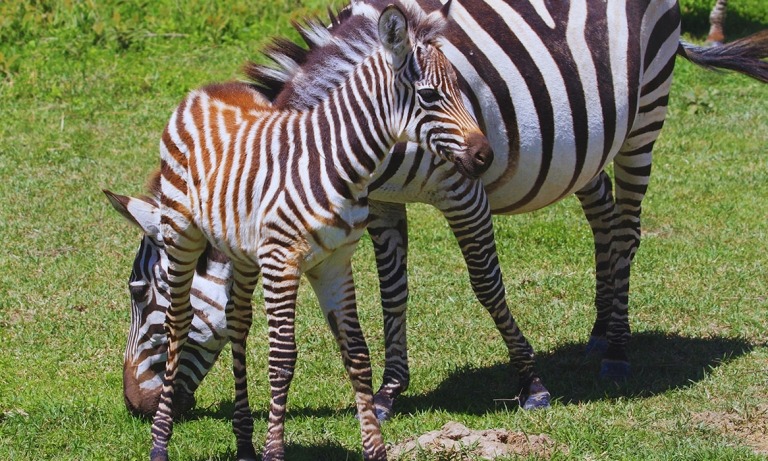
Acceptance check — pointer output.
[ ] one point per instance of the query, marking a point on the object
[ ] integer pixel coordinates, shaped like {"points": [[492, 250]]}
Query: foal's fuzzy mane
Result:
{"points": [[301, 77]]}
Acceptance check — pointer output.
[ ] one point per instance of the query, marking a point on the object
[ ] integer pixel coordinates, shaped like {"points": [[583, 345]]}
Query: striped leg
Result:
{"points": [[184, 244], [716, 34], [335, 289], [388, 229], [239, 318], [281, 285], [469, 216], [600, 210], [616, 229]]}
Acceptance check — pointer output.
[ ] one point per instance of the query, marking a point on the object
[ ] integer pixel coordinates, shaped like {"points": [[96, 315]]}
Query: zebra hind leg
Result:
{"points": [[610, 332], [388, 229], [239, 318], [281, 286], [600, 210], [469, 216], [333, 283]]}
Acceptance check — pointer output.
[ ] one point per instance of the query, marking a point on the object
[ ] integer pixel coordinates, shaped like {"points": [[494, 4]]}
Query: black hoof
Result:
{"points": [[537, 397], [383, 406], [615, 370]]}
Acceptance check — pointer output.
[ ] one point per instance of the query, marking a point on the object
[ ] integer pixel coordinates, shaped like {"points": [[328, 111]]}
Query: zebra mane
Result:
{"points": [[301, 77]]}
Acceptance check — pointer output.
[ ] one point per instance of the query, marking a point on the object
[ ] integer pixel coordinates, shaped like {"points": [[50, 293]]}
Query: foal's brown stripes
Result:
{"points": [[234, 174]]}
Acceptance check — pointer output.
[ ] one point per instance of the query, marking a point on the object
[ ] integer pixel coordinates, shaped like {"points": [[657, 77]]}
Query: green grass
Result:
{"points": [[86, 88]]}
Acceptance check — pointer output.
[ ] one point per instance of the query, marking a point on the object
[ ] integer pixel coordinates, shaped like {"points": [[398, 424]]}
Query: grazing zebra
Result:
{"points": [[145, 352], [716, 34], [283, 192], [558, 101]]}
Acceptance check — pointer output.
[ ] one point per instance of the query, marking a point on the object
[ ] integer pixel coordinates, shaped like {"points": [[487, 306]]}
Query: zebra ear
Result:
{"points": [[393, 33], [139, 212], [446, 9]]}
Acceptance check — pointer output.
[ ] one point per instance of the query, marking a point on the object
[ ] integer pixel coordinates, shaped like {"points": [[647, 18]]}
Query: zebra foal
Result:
{"points": [[283, 192]]}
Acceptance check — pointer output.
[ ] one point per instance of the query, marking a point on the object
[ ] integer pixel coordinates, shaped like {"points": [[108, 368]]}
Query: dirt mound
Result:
{"points": [[750, 426], [458, 442]]}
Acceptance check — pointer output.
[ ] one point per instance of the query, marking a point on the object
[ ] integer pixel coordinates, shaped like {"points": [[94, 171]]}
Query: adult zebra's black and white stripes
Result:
{"points": [[554, 124], [283, 192]]}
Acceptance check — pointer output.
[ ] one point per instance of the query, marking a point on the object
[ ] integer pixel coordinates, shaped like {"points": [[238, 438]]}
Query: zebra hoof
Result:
{"points": [[158, 454], [383, 405], [596, 346], [538, 401], [537, 397], [615, 370]]}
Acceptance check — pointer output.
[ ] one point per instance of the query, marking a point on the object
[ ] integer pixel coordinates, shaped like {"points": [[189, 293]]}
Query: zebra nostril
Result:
{"points": [[480, 152]]}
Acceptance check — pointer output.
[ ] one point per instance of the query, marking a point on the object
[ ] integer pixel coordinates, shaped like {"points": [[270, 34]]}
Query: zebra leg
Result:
{"points": [[716, 34], [183, 249], [600, 210], [469, 216], [281, 285], [388, 228], [239, 318], [333, 283]]}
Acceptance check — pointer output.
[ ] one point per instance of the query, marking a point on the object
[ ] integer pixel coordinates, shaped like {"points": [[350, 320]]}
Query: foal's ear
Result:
{"points": [[141, 213], [393, 33]]}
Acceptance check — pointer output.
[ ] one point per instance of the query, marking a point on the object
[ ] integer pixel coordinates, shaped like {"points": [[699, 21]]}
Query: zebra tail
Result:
{"points": [[745, 55]]}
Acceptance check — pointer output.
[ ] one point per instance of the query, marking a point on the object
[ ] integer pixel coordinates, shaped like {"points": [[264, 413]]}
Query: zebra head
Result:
{"points": [[145, 351], [436, 116]]}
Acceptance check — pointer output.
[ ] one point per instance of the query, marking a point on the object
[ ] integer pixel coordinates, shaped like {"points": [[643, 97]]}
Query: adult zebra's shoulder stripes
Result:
{"points": [[283, 192], [561, 89]]}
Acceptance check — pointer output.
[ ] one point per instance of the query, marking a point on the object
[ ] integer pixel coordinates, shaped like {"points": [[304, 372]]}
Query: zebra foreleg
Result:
{"points": [[239, 313], [469, 217], [388, 228], [333, 283], [183, 248]]}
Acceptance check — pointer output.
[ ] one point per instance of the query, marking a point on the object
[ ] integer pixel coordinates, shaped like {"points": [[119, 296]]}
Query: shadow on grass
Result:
{"points": [[319, 452], [660, 362]]}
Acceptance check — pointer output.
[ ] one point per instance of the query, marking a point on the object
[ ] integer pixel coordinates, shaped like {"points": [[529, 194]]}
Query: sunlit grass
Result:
{"points": [[80, 114]]}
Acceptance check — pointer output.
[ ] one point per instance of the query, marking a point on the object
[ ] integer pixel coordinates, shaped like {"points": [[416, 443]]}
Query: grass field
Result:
{"points": [[85, 91]]}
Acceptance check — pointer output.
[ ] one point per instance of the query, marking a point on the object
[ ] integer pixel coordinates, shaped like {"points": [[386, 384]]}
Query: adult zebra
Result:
{"points": [[283, 192], [560, 101]]}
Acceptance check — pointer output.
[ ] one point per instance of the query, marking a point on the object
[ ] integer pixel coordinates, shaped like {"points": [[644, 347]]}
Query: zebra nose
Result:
{"points": [[479, 150]]}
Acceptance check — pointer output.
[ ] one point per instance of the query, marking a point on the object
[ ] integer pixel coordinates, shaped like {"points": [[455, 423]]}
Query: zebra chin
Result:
{"points": [[142, 402], [475, 159]]}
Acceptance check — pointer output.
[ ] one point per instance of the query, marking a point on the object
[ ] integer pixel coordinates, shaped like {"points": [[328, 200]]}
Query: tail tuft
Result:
{"points": [[745, 55]]}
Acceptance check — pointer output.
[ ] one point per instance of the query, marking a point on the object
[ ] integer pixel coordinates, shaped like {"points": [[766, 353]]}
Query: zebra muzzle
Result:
{"points": [[476, 158]]}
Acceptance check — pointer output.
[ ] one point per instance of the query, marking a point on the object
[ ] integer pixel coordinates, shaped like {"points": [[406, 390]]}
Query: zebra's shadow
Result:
{"points": [[660, 362], [298, 452]]}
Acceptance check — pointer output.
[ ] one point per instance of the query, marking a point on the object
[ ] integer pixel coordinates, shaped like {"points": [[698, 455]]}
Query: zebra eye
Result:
{"points": [[429, 95]]}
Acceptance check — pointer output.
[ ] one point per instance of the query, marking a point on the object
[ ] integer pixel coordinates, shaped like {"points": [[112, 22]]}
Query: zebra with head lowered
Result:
{"points": [[283, 192], [559, 100]]}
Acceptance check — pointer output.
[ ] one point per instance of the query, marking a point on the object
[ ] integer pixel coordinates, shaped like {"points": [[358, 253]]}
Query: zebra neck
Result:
{"points": [[357, 125]]}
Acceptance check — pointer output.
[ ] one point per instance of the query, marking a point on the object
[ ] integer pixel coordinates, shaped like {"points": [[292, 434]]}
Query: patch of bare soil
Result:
{"points": [[749, 425], [455, 441]]}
